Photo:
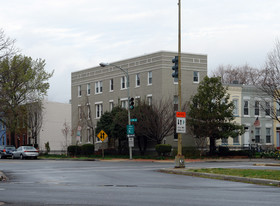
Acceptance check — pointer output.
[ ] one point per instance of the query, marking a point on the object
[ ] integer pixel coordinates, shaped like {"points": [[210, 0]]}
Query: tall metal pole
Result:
{"points": [[128, 98], [179, 160]]}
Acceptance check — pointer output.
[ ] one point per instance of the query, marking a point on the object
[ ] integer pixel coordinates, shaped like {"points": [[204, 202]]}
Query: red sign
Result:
{"points": [[181, 114]]}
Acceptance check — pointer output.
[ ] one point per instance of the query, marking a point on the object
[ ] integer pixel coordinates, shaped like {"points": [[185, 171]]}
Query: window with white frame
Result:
{"points": [[88, 89], [111, 105], [257, 108], [137, 80], [80, 114], [268, 135], [236, 140], [137, 100], [79, 91], [257, 135], [88, 111], [98, 110], [150, 78], [124, 103], [235, 109], [224, 140], [246, 107], [267, 108], [88, 135], [123, 82], [98, 87], [150, 100], [195, 76], [111, 85]]}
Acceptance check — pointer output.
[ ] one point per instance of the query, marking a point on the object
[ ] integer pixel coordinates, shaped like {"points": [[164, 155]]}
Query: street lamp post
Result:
{"points": [[102, 64]]}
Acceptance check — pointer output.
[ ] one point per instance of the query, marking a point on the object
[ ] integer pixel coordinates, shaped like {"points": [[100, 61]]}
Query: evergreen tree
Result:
{"points": [[211, 113]]}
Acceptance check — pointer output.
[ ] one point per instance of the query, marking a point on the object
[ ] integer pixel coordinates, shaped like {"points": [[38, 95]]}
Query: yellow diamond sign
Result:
{"points": [[102, 135]]}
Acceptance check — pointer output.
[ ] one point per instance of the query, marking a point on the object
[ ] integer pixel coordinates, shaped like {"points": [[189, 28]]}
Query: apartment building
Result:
{"points": [[99, 89]]}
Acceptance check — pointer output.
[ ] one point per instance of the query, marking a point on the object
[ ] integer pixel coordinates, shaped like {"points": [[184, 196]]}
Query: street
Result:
{"points": [[50, 182]]}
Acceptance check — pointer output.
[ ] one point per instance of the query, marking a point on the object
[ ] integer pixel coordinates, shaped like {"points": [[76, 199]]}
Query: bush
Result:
{"points": [[223, 151], [74, 150], [87, 149], [163, 149]]}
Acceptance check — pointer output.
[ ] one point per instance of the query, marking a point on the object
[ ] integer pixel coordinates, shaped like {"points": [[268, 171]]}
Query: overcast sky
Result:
{"points": [[72, 35]]}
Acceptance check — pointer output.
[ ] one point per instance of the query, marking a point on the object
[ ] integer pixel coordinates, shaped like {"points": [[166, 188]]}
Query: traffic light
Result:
{"points": [[175, 67], [131, 103]]}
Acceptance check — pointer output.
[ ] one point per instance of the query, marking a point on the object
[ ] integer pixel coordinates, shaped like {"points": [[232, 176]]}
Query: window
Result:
{"points": [[257, 135], [137, 100], [267, 108], [246, 107], [124, 103], [80, 112], [88, 135], [150, 78], [98, 87], [137, 80], [88, 112], [123, 82], [150, 100], [111, 85], [98, 110], [268, 135], [111, 105], [224, 140], [88, 89], [235, 109], [79, 90], [236, 140], [257, 108], [195, 76]]}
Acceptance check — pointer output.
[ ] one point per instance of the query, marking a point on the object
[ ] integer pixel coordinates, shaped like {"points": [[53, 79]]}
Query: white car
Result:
{"points": [[25, 152]]}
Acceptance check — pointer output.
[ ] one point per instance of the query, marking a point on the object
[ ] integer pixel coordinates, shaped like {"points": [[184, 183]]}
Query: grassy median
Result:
{"points": [[249, 173]]}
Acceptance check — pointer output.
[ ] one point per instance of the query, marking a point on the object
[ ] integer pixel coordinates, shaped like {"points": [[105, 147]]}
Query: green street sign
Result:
{"points": [[130, 129], [133, 120]]}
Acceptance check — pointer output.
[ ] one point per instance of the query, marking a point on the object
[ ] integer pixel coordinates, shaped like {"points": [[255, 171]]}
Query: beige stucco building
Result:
{"points": [[150, 78]]}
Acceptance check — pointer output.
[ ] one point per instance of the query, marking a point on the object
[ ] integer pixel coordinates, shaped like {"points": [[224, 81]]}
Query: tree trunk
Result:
{"points": [[212, 145], [13, 142]]}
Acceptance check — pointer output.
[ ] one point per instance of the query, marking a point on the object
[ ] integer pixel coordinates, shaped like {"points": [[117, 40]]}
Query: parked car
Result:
{"points": [[25, 152], [6, 151]]}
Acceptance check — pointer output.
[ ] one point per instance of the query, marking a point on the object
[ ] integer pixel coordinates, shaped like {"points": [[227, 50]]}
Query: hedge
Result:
{"points": [[87, 149], [163, 149]]}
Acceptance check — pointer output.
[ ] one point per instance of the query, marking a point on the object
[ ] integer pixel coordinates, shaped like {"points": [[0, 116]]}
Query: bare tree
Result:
{"points": [[157, 121], [269, 83], [6, 45], [66, 131], [34, 115], [239, 74], [85, 119]]}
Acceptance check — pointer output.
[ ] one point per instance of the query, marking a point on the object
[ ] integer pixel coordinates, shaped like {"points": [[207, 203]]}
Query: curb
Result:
{"points": [[223, 177]]}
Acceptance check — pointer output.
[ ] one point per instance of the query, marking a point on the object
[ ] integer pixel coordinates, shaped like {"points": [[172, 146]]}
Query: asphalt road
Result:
{"points": [[43, 182]]}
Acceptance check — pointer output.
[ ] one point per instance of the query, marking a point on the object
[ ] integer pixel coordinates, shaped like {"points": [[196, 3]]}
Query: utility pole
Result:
{"points": [[179, 159]]}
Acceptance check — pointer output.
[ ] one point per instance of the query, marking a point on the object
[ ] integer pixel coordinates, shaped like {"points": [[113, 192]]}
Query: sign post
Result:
{"points": [[181, 122], [102, 136]]}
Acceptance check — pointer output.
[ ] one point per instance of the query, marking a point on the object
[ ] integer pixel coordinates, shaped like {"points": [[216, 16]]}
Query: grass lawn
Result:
{"points": [[250, 173]]}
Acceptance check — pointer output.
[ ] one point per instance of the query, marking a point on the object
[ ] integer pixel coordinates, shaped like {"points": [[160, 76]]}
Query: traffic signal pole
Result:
{"points": [[179, 159]]}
